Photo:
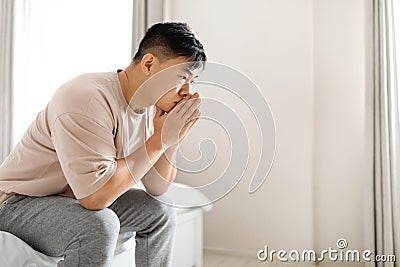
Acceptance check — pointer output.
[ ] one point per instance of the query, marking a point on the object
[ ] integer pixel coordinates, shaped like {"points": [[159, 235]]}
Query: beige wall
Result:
{"points": [[271, 42], [307, 57], [342, 144]]}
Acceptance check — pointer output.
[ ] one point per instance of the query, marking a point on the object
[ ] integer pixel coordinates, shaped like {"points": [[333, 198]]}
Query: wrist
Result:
{"points": [[163, 143], [156, 141], [173, 148], [171, 151]]}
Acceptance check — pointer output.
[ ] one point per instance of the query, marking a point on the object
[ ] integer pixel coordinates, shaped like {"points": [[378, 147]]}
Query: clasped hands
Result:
{"points": [[174, 126]]}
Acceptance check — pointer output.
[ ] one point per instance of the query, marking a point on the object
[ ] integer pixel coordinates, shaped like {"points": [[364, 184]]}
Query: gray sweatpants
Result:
{"points": [[60, 226]]}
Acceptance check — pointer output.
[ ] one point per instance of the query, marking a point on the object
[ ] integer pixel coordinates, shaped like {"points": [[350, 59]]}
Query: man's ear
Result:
{"points": [[147, 63]]}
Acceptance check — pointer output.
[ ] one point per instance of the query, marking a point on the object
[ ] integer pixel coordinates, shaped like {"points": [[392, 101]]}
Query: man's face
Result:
{"points": [[182, 77]]}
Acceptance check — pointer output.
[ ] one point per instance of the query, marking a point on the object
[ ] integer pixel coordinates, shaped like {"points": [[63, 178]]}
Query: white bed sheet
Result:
{"points": [[16, 253]]}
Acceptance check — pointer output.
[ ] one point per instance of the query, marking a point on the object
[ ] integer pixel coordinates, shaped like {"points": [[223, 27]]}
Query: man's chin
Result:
{"points": [[172, 107], [164, 110]]}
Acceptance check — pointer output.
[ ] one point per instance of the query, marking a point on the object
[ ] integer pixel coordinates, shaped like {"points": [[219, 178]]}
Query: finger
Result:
{"points": [[159, 112], [189, 125], [196, 115], [186, 128], [195, 95], [191, 106], [194, 119], [180, 105], [184, 100]]}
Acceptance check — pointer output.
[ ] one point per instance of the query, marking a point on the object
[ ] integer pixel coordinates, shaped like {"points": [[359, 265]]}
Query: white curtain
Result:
{"points": [[386, 132], [145, 14], [50, 48], [6, 52]]}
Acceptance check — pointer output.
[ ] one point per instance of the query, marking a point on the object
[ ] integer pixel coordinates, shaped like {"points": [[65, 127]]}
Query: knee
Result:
{"points": [[166, 213], [98, 235], [107, 223], [104, 225]]}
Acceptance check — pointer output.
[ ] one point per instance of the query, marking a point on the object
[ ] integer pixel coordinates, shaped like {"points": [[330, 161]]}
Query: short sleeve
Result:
{"points": [[86, 152]]}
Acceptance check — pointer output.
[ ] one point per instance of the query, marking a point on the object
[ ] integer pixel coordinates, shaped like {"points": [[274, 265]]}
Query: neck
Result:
{"points": [[130, 81]]}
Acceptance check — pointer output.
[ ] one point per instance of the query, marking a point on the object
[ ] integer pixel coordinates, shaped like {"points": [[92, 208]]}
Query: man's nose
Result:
{"points": [[185, 90]]}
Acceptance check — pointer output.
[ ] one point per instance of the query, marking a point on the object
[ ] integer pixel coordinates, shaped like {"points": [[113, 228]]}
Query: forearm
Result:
{"points": [[180, 120], [128, 172], [158, 179]]}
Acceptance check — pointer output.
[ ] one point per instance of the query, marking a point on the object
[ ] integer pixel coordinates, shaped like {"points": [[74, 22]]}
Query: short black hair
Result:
{"points": [[170, 40]]}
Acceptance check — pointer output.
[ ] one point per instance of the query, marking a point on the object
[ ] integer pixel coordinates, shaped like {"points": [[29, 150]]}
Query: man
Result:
{"points": [[66, 188]]}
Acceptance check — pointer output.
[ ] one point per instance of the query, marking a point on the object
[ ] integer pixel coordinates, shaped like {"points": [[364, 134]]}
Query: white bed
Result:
{"points": [[14, 252]]}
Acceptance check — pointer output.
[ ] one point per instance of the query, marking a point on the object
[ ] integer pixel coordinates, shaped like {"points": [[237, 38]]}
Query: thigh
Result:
{"points": [[48, 224]]}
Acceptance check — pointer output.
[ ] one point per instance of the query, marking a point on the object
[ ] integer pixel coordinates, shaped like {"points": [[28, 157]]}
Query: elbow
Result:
{"points": [[154, 189], [91, 203], [156, 193], [156, 185]]}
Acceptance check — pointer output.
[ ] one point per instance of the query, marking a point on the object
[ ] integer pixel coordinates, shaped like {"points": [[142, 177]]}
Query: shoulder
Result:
{"points": [[89, 94], [76, 94]]}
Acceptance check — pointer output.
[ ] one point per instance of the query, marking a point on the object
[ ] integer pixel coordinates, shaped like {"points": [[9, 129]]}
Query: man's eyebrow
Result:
{"points": [[190, 72]]}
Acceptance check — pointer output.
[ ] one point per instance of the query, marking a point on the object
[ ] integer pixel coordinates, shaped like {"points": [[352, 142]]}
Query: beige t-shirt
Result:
{"points": [[75, 141]]}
